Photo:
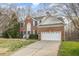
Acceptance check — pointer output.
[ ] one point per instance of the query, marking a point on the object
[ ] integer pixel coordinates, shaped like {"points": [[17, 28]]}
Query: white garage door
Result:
{"points": [[51, 36]]}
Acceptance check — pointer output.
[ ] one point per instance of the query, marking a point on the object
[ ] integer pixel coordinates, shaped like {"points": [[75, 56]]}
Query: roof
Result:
{"points": [[38, 18], [50, 20]]}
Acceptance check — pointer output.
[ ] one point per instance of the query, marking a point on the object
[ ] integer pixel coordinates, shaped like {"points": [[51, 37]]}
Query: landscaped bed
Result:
{"points": [[8, 46], [69, 48]]}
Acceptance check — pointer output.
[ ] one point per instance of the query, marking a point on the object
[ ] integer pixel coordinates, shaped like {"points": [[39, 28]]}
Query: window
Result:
{"points": [[28, 27], [40, 21], [34, 31], [21, 25], [29, 32], [21, 34], [35, 23], [24, 32]]}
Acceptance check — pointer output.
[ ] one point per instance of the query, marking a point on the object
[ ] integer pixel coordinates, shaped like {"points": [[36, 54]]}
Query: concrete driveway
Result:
{"points": [[40, 48]]}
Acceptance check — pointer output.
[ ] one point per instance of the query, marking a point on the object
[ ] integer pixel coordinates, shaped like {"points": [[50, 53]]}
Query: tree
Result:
{"points": [[71, 12], [12, 32], [9, 23]]}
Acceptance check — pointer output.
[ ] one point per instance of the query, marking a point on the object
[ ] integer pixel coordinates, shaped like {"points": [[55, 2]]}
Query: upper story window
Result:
{"points": [[34, 23], [40, 21]]}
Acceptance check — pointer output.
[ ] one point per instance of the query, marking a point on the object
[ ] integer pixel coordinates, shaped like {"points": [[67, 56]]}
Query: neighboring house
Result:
{"points": [[47, 27]]}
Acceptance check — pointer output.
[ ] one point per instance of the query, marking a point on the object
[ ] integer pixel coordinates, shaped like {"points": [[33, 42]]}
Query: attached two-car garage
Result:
{"points": [[51, 33], [51, 36], [51, 29]]}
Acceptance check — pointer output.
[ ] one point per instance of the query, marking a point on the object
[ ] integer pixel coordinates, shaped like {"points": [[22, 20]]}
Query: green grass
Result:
{"points": [[69, 48], [13, 45]]}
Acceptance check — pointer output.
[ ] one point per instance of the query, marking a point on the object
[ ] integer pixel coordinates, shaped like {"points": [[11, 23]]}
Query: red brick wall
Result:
{"points": [[28, 20]]}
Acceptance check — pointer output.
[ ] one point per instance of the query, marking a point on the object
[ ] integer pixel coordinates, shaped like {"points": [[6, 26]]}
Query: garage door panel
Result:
{"points": [[50, 35]]}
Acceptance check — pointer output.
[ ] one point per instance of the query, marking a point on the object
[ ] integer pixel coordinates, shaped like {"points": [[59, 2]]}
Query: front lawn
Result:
{"points": [[69, 48], [8, 46]]}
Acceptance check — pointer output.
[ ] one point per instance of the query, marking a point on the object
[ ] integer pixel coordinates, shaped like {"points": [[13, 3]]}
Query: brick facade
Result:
{"points": [[28, 20], [33, 28]]}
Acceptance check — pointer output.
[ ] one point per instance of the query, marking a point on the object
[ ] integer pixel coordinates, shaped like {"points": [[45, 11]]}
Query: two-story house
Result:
{"points": [[47, 27]]}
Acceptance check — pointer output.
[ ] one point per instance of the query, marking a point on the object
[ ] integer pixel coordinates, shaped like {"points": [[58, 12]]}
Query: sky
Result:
{"points": [[24, 7], [35, 6]]}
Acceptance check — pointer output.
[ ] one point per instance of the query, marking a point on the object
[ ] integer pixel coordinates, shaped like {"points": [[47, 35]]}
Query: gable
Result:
{"points": [[50, 20]]}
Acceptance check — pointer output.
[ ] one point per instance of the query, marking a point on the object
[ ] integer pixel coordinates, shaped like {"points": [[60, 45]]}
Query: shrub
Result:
{"points": [[33, 36]]}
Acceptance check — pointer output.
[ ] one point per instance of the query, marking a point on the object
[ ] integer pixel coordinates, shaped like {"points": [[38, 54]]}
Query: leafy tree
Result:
{"points": [[11, 26], [12, 32]]}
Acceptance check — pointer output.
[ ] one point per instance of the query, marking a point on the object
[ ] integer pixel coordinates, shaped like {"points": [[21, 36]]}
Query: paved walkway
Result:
{"points": [[40, 48]]}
